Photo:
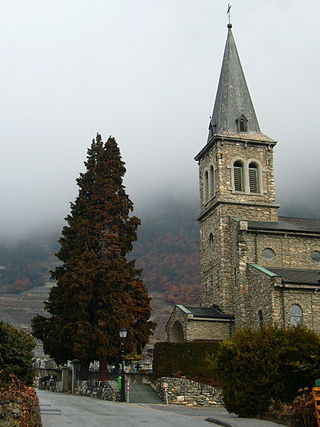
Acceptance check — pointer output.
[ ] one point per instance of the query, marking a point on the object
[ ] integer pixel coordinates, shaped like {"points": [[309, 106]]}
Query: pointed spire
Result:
{"points": [[233, 111]]}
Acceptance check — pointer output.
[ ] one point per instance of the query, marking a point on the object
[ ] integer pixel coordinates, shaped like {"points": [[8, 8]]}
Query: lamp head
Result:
{"points": [[123, 333]]}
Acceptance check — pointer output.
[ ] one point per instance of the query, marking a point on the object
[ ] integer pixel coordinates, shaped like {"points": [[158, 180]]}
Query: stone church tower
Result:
{"points": [[256, 267], [236, 181]]}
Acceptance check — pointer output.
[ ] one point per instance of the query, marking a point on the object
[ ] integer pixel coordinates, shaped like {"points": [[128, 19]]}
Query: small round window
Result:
{"points": [[268, 254], [315, 256]]}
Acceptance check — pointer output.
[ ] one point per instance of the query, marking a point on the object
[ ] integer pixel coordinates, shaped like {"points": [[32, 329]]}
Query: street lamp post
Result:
{"points": [[123, 336]]}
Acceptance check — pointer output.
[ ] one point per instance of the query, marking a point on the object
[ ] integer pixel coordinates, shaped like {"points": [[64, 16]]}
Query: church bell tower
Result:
{"points": [[236, 180]]}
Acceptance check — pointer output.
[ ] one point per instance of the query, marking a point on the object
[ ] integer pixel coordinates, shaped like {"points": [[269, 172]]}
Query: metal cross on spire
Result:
{"points": [[228, 12]]}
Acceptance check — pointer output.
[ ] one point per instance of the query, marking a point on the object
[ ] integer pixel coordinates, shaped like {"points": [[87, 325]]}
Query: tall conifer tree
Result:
{"points": [[98, 290]]}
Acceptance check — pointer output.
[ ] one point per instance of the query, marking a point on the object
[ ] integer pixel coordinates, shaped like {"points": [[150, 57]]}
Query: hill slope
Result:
{"points": [[167, 251]]}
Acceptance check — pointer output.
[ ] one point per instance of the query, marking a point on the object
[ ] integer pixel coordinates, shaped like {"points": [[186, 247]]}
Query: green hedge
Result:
{"points": [[16, 355], [258, 368], [188, 359]]}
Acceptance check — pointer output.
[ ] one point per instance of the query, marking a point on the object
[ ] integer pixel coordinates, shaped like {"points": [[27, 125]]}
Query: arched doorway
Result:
{"points": [[177, 332]]}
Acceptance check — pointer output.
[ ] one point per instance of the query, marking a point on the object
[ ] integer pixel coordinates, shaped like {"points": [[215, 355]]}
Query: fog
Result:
{"points": [[146, 72]]}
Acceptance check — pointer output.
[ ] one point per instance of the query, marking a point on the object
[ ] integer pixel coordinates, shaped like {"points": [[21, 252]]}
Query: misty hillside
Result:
{"points": [[167, 251]]}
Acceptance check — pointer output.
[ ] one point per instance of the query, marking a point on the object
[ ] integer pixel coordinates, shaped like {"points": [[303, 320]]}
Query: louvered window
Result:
{"points": [[238, 176], [253, 178]]}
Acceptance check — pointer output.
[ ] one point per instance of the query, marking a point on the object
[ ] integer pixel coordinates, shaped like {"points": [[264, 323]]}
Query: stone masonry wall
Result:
{"points": [[275, 300], [197, 329], [226, 246], [182, 391], [259, 297], [218, 258], [245, 288], [10, 413], [309, 301], [208, 330], [291, 250], [222, 156], [220, 276], [210, 260], [177, 316], [20, 410], [98, 389]]}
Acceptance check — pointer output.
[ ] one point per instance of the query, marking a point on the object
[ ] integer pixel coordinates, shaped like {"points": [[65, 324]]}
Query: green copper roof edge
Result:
{"points": [[183, 308], [263, 270]]}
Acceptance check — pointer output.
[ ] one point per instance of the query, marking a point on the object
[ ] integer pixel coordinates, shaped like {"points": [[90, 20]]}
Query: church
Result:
{"points": [[256, 267]]}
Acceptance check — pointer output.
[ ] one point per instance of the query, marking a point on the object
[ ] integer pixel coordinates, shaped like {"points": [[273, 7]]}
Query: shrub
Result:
{"points": [[189, 359], [16, 348], [256, 368], [300, 361], [303, 408]]}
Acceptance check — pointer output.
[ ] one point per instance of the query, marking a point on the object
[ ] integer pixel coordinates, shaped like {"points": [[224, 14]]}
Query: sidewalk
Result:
{"points": [[223, 418], [216, 415]]}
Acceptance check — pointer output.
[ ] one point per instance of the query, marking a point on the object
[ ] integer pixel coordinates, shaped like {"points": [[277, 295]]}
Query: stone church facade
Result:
{"points": [[256, 267]]}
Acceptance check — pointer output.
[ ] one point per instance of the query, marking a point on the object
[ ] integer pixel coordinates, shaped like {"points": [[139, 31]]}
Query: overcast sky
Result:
{"points": [[146, 72]]}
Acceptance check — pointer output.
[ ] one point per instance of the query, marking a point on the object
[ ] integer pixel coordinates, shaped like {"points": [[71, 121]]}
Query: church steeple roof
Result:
{"points": [[233, 112]]}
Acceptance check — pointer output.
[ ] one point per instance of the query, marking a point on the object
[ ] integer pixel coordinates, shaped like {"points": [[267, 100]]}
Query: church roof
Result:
{"points": [[297, 276], [209, 312], [288, 224], [233, 100]]}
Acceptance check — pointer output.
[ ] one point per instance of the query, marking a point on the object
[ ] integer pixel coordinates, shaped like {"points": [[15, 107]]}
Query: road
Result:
{"points": [[62, 410]]}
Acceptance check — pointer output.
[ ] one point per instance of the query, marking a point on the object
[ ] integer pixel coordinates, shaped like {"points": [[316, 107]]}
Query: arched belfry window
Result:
{"points": [[206, 185], [242, 124], [238, 176], [211, 182], [295, 315], [254, 178]]}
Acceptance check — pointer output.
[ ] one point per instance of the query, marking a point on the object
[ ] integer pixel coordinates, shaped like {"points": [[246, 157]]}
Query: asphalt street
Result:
{"points": [[65, 410], [62, 410]]}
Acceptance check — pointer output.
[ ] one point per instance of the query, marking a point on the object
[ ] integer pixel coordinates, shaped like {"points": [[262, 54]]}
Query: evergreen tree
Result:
{"points": [[98, 290]]}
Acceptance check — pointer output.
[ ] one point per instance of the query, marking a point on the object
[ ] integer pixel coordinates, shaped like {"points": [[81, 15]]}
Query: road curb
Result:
{"points": [[219, 422]]}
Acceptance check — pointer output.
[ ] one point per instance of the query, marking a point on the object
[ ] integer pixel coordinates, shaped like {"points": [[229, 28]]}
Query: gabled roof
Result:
{"points": [[288, 224], [233, 98], [297, 276], [208, 312]]}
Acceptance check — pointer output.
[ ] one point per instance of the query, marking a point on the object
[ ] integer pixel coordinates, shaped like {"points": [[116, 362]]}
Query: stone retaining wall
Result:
{"points": [[10, 413], [182, 391], [17, 412], [105, 390]]}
